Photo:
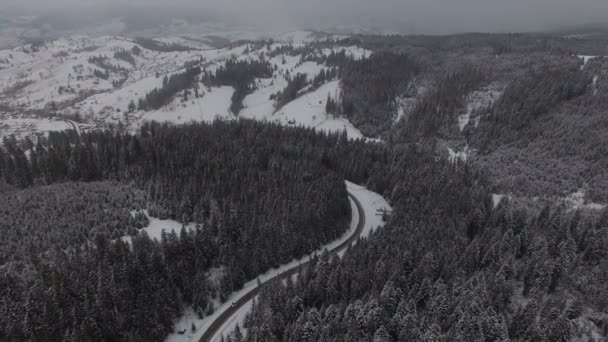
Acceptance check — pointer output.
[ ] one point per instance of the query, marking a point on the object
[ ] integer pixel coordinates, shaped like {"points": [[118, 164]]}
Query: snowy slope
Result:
{"points": [[60, 71], [307, 110], [214, 104], [63, 75], [24, 127], [108, 102]]}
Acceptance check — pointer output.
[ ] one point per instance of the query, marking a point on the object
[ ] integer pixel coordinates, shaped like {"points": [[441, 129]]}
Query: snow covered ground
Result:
{"points": [[479, 99], [307, 110], [497, 198], [24, 127], [156, 227], [214, 104], [576, 200], [586, 59], [372, 204]]}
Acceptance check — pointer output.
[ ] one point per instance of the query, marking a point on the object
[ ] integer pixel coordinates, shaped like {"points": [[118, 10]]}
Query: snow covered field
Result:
{"points": [[372, 204], [24, 127], [213, 105], [307, 110]]}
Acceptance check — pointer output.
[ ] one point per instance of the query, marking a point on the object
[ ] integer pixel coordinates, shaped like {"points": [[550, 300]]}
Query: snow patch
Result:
{"points": [[576, 200], [462, 155], [214, 104], [594, 84], [156, 227], [585, 59], [307, 110], [496, 199], [24, 127], [477, 100]]}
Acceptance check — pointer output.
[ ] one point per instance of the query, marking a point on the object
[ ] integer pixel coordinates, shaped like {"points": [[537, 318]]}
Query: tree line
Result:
{"points": [[241, 76]]}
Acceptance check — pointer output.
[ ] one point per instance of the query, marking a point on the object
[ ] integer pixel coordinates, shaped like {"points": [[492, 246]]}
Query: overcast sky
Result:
{"points": [[409, 16]]}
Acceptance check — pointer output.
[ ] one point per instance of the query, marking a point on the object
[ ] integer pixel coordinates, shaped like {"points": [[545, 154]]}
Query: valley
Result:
{"points": [[293, 186]]}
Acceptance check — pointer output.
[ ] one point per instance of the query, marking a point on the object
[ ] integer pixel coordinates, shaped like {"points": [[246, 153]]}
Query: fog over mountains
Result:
{"points": [[410, 16]]}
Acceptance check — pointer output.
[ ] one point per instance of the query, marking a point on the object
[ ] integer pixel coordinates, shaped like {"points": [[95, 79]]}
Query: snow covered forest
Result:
{"points": [[490, 149], [258, 196]]}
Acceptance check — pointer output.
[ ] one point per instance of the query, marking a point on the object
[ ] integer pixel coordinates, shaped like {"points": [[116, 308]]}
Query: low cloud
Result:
{"points": [[407, 16]]}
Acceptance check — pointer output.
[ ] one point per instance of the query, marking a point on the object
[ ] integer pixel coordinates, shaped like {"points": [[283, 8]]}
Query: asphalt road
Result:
{"points": [[227, 314]]}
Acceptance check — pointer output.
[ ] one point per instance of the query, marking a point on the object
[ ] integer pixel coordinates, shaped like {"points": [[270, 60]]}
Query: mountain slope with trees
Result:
{"points": [[258, 194], [448, 266]]}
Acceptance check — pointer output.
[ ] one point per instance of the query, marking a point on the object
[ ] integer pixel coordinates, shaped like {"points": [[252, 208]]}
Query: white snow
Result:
{"points": [[462, 155], [354, 52], [585, 59], [237, 319], [23, 127], [59, 65], [60, 73], [405, 105], [576, 200], [463, 120], [214, 104], [496, 199], [120, 98], [307, 110], [156, 227], [594, 84], [372, 204], [479, 99]]}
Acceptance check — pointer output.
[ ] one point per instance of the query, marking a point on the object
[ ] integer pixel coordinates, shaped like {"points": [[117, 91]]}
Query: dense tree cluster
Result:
{"points": [[448, 266], [299, 84], [370, 86], [125, 55], [294, 85], [259, 195], [538, 132], [241, 76], [526, 99], [104, 63], [545, 135], [495, 44], [172, 85], [64, 215], [436, 110]]}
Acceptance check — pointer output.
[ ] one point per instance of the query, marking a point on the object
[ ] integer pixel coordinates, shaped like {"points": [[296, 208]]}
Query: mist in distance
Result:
{"points": [[398, 16]]}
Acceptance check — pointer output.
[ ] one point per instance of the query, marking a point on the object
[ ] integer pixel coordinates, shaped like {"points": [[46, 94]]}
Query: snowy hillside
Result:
{"points": [[213, 105], [101, 80]]}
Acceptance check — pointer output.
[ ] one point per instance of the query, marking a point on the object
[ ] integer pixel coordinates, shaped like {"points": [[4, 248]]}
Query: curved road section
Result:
{"points": [[225, 316]]}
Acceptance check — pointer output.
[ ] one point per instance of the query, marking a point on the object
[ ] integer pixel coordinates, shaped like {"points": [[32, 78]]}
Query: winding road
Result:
{"points": [[73, 124], [230, 311]]}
